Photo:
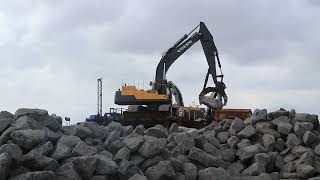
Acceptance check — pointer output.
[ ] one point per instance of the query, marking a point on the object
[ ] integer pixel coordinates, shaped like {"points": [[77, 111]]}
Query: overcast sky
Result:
{"points": [[52, 52]]}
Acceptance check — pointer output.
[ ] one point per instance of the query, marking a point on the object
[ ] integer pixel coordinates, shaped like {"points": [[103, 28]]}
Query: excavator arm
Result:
{"points": [[181, 46]]}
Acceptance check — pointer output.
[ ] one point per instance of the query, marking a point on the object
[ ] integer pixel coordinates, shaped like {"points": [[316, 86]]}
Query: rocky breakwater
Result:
{"points": [[269, 146]]}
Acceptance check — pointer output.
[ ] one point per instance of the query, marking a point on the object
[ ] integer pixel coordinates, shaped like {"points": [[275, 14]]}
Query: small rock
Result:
{"points": [[152, 146], [5, 163], [248, 152], [236, 126], [243, 143], [235, 169], [268, 141], [284, 128], [259, 115], [133, 141], [82, 149], [305, 171], [212, 173], [306, 158], [113, 136], [185, 139], [150, 162], [292, 140], [157, 131], [309, 137], [301, 127], [122, 154], [205, 159], [115, 146], [254, 170], [105, 165], [38, 162], [247, 132], [232, 141], [284, 119], [38, 175], [137, 159], [85, 165], [279, 145], [82, 132], [223, 136], [190, 171], [210, 136], [163, 169], [67, 171]]}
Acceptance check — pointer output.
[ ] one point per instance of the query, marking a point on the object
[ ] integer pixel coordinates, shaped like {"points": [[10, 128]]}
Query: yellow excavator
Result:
{"points": [[151, 102]]}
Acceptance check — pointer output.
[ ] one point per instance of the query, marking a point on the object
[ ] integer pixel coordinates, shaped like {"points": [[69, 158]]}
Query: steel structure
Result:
{"points": [[99, 96]]}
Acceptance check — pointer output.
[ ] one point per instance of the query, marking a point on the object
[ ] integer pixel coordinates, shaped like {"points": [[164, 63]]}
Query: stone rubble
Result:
{"points": [[268, 146]]}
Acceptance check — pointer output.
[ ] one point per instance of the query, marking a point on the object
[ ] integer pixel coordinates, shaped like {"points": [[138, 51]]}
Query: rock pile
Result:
{"points": [[269, 146]]}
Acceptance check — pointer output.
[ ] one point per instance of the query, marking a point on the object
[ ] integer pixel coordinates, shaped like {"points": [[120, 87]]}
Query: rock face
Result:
{"points": [[275, 145]]}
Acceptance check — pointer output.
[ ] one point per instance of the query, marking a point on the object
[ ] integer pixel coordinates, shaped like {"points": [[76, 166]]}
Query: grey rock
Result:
{"points": [[248, 152], [13, 150], [292, 140], [53, 136], [43, 149], [235, 169], [290, 157], [262, 159], [82, 149], [185, 139], [284, 128], [317, 150], [113, 136], [232, 141], [82, 132], [211, 149], [98, 132], [70, 141], [61, 151], [18, 171], [306, 158], [137, 159], [127, 130], [51, 123], [28, 139], [210, 136], [212, 173], [5, 163], [57, 118], [163, 169], [26, 122], [35, 175], [105, 165], [177, 164], [150, 162], [268, 141], [133, 141], [279, 113], [309, 138], [152, 146], [243, 143], [289, 167], [157, 131], [305, 171], [6, 135], [236, 126], [36, 114], [299, 150], [93, 142], [122, 154], [68, 130], [115, 146], [289, 175], [206, 159], [223, 136], [278, 163], [5, 115], [228, 155], [259, 115], [174, 128], [273, 132], [280, 145], [128, 169], [190, 171], [5, 123], [85, 165], [247, 132], [139, 130], [254, 170], [112, 126], [284, 119], [301, 127], [138, 177], [67, 171], [106, 153], [178, 176], [38, 162], [199, 141], [303, 117]]}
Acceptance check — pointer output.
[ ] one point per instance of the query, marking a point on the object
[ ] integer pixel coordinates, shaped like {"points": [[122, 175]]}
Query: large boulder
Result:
{"points": [[113, 136], [309, 138], [5, 163], [70, 141], [28, 139], [259, 115], [152, 146], [26, 122], [301, 127], [284, 128], [292, 140], [38, 162], [248, 152], [44, 149], [247, 132], [268, 141], [98, 132], [303, 117], [61, 151], [305, 171], [212, 173], [157, 131], [185, 139], [13, 150], [5, 123], [82, 132], [122, 154], [236, 126], [190, 171], [36, 114], [85, 165], [162, 170]]}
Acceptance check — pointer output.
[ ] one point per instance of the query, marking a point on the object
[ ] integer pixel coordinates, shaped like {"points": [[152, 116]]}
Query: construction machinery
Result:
{"points": [[163, 103]]}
